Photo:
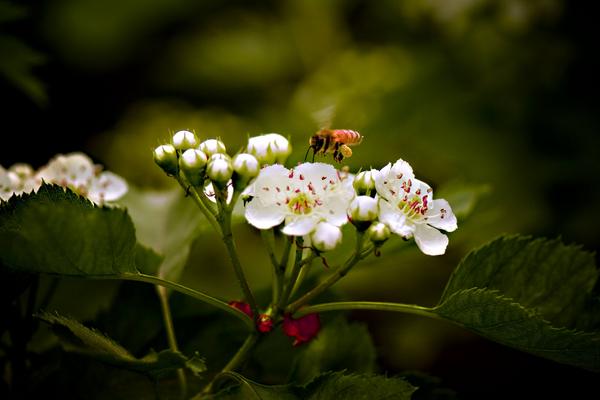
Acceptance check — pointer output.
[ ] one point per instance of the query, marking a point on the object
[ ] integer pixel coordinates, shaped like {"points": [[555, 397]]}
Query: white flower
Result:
{"points": [[184, 140], [77, 172], [363, 209], [406, 205], [18, 179], [246, 165], [219, 169], [326, 236], [212, 146], [302, 197], [365, 181], [7, 188], [165, 156], [270, 148], [209, 192]]}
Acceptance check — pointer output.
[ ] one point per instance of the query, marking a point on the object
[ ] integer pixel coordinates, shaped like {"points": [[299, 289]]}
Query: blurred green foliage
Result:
{"points": [[494, 96]]}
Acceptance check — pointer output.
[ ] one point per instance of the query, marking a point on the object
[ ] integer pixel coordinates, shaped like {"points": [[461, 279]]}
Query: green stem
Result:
{"points": [[202, 202], [268, 238], [225, 221], [303, 273], [339, 273], [293, 275], [240, 356], [369, 305], [171, 338], [184, 290]]}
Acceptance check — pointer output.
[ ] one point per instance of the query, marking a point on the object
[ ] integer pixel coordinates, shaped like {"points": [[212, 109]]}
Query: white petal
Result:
{"points": [[325, 237], [431, 241], [107, 187], [404, 168], [268, 180], [316, 171], [300, 226], [263, 216], [395, 219], [446, 221]]}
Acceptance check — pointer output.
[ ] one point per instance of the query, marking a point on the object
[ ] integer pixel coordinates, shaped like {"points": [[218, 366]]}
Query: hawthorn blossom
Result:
{"points": [[406, 205], [269, 148], [18, 179], [325, 237], [301, 197], [77, 172]]}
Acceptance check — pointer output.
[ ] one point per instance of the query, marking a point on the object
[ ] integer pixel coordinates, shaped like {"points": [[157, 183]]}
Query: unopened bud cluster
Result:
{"points": [[207, 164]]}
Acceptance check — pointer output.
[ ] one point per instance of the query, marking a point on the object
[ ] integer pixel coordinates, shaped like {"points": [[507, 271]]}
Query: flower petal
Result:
{"points": [[397, 221], [300, 226], [107, 187], [442, 220], [315, 171], [263, 216], [431, 241]]}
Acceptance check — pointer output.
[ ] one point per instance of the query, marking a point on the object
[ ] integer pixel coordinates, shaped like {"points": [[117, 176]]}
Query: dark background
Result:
{"points": [[496, 96]]}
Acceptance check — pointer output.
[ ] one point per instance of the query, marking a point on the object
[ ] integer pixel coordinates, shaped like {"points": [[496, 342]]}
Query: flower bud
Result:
{"points": [[379, 233], [184, 140], [270, 148], [166, 158], [326, 236], [220, 156], [219, 170], [192, 164], [246, 167], [212, 146], [362, 211], [364, 182]]}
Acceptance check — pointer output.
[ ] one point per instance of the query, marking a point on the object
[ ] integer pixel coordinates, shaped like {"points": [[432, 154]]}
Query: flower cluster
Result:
{"points": [[314, 200], [207, 165], [75, 171]]}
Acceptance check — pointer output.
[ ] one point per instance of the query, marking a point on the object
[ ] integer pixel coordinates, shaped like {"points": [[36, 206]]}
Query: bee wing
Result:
{"points": [[324, 116]]}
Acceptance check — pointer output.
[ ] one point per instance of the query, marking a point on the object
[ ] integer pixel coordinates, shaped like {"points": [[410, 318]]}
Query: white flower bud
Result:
{"points": [[192, 164], [270, 148], [246, 167], [220, 156], [364, 182], [326, 236], [362, 211], [212, 146], [379, 232], [166, 158], [184, 140], [219, 170]]}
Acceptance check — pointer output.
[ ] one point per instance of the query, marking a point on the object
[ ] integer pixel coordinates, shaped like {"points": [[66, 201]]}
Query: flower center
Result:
{"points": [[301, 204], [414, 206]]}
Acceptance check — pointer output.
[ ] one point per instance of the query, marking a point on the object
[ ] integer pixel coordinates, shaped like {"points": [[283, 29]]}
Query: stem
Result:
{"points": [[269, 241], [201, 201], [242, 353], [332, 279], [168, 320], [293, 275], [225, 221], [303, 273], [369, 305], [184, 290], [239, 357]]}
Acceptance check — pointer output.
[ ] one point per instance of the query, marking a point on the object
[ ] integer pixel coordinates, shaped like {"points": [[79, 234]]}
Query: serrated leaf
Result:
{"points": [[503, 320], [168, 222], [339, 346], [528, 294], [77, 338], [336, 385], [56, 231], [546, 275]]}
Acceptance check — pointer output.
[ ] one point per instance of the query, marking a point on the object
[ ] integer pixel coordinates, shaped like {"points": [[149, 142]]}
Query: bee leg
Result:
{"points": [[307, 151]]}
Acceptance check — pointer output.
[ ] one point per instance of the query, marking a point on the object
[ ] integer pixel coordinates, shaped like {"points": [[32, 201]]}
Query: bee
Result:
{"points": [[336, 141]]}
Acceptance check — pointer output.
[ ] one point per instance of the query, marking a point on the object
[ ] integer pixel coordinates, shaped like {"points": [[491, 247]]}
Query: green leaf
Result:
{"points": [[528, 294], [334, 385], [167, 222], [546, 275], [56, 231], [77, 338], [340, 345]]}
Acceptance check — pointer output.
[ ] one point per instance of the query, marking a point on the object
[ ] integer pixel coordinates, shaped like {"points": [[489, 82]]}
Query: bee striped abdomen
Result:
{"points": [[346, 136]]}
